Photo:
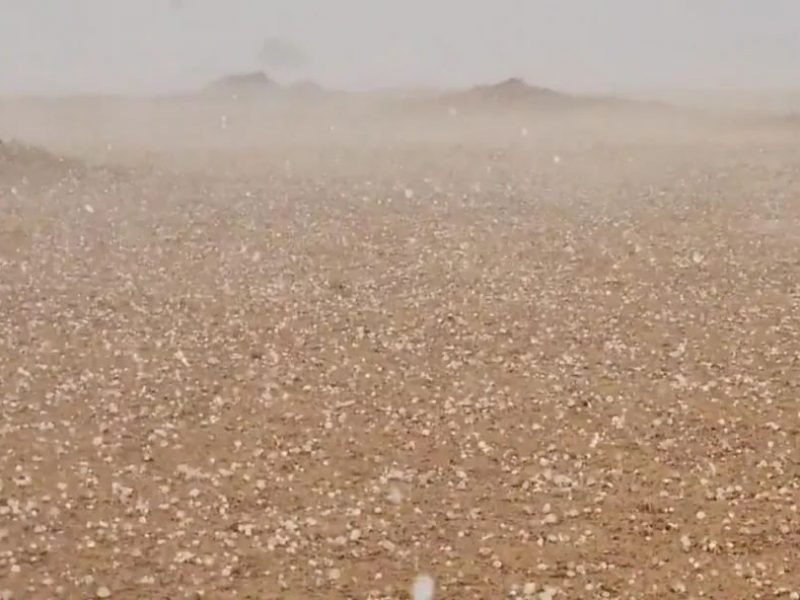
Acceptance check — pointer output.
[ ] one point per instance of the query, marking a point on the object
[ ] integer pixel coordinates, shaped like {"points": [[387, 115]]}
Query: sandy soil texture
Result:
{"points": [[532, 357]]}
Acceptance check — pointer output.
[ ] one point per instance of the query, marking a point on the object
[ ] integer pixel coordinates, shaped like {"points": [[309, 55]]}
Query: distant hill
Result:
{"points": [[307, 88], [517, 94], [244, 84], [258, 84], [515, 90], [511, 94]]}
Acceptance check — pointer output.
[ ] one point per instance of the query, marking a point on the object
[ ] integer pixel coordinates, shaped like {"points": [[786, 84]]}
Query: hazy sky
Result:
{"points": [[598, 45]]}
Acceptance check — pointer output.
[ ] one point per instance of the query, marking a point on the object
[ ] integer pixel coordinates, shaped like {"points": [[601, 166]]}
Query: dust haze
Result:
{"points": [[93, 46], [399, 300]]}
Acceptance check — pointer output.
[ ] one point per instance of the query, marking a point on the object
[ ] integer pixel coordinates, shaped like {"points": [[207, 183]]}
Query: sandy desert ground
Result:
{"points": [[314, 352]]}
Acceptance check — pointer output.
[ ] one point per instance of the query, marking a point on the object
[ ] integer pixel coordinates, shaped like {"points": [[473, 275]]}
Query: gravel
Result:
{"points": [[525, 377]]}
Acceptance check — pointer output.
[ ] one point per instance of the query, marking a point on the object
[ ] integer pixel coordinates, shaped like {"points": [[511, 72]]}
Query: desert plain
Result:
{"points": [[314, 346]]}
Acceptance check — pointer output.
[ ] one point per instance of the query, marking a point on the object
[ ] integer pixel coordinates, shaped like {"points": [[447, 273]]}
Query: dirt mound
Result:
{"points": [[244, 84], [17, 154], [27, 167]]}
